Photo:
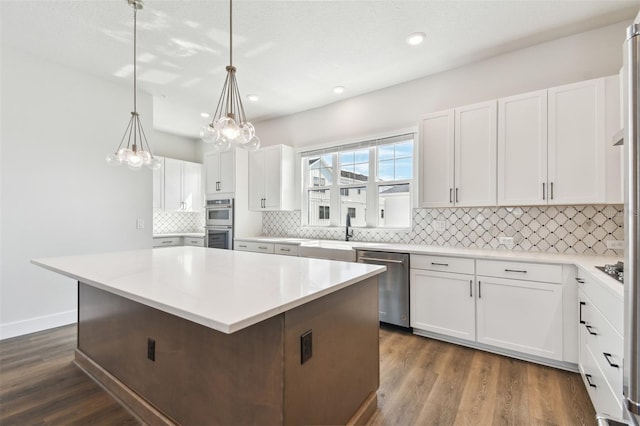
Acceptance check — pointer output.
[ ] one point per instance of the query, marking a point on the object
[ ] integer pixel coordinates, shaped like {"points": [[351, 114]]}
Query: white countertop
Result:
{"points": [[180, 234], [586, 263], [221, 289]]}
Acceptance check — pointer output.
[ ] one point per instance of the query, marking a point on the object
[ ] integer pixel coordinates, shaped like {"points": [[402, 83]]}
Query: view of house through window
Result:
{"points": [[369, 181]]}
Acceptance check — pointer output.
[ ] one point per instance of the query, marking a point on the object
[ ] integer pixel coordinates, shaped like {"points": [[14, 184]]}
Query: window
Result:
{"points": [[369, 181]]}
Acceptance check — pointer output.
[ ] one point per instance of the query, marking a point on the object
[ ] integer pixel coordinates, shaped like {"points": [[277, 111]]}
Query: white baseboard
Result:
{"points": [[32, 325]]}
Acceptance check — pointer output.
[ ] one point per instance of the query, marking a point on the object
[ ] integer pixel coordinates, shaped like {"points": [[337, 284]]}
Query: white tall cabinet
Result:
{"points": [[271, 179], [458, 160]]}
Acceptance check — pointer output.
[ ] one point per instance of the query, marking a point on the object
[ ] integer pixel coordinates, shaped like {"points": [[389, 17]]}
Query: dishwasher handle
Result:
{"points": [[376, 259]]}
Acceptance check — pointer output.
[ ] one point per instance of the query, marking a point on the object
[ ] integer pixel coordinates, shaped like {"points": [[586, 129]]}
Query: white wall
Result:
{"points": [[58, 196], [582, 56]]}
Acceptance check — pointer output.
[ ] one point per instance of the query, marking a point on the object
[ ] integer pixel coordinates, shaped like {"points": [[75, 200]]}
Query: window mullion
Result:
{"points": [[372, 190], [335, 192]]}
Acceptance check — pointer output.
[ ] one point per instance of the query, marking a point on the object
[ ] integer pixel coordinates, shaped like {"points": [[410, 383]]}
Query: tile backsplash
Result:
{"points": [[560, 229], [175, 222]]}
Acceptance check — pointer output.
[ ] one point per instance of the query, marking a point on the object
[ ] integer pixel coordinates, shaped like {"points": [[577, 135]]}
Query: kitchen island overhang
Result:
{"points": [[227, 333]]}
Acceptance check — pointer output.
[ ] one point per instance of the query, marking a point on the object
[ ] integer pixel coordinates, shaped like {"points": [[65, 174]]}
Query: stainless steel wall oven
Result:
{"points": [[219, 218]]}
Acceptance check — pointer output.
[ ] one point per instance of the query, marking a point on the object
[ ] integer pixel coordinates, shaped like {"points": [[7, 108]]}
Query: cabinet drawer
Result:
{"points": [[442, 263], [609, 304], [604, 399], [254, 246], [604, 342], [520, 270], [167, 242], [286, 249], [194, 241]]}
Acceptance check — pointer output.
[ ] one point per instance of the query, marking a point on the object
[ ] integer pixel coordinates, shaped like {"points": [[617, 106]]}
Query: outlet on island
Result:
{"points": [[306, 347], [151, 349]]}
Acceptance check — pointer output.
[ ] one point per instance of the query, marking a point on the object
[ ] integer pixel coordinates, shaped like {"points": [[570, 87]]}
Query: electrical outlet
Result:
{"points": [[151, 349], [306, 347], [506, 240], [439, 226], [139, 223], [615, 244]]}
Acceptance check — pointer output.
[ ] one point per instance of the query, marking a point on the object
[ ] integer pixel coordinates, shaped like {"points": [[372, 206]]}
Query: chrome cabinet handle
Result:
{"points": [[551, 191], [580, 313], [451, 195], [479, 289], [580, 280], [521, 271], [456, 195], [470, 288], [439, 264], [544, 192], [608, 356], [588, 377], [590, 330]]}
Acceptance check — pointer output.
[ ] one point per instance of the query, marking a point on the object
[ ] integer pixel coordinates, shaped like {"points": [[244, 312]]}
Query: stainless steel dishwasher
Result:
{"points": [[393, 284]]}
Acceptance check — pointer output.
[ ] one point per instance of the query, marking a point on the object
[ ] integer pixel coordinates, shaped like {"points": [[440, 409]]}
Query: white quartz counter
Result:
{"points": [[586, 263], [221, 289], [181, 234]]}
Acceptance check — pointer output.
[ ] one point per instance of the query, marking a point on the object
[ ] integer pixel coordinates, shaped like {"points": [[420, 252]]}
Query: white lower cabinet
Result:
{"points": [[600, 343], [443, 303], [522, 316], [499, 310]]}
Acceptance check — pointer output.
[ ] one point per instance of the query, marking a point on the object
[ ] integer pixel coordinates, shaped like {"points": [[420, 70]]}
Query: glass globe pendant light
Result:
{"points": [[229, 126], [134, 153]]}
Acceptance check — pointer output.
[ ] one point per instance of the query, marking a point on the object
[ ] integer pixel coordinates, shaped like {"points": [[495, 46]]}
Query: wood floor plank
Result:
{"points": [[422, 382]]}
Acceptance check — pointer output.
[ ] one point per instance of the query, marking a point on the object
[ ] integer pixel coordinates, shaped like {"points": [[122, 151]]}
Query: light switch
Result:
{"points": [[139, 223]]}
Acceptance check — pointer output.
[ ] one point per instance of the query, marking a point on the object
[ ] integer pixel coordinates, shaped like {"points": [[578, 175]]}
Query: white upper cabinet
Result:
{"points": [[522, 149], [271, 179], [458, 157], [436, 165], [576, 143], [220, 172], [475, 155], [158, 186], [178, 185]]}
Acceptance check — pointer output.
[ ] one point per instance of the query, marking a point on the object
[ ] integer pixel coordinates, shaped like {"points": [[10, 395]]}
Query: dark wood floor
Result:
{"points": [[422, 382]]}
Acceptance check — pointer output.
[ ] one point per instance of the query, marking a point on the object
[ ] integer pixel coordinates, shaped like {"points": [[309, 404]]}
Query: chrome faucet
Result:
{"points": [[348, 233]]}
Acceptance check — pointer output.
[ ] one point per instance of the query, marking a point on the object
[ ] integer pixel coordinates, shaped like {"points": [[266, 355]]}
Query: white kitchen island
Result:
{"points": [[190, 335]]}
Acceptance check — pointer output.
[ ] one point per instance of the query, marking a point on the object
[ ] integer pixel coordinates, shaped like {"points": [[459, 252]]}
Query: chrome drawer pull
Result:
{"points": [[608, 358], [242, 246], [285, 249], [262, 248], [588, 377], [439, 264], [516, 270], [590, 330]]}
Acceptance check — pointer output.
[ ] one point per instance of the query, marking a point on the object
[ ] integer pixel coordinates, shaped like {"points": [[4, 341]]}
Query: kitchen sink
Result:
{"points": [[331, 249]]}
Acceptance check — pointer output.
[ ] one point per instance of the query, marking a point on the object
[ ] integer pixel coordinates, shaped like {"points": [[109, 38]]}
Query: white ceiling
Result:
{"points": [[289, 53]]}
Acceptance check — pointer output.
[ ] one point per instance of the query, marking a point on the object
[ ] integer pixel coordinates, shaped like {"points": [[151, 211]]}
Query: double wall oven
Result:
{"points": [[219, 223]]}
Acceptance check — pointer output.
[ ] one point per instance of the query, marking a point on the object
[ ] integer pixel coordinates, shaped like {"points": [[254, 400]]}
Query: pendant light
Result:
{"points": [[134, 154], [229, 126]]}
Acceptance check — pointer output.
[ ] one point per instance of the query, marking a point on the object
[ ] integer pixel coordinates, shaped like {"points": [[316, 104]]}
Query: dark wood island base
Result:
{"points": [[169, 370]]}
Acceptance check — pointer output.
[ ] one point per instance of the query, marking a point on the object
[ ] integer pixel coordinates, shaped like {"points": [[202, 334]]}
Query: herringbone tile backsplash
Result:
{"points": [[560, 229]]}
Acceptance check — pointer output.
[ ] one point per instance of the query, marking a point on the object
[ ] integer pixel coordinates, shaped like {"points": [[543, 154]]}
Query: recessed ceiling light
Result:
{"points": [[338, 89], [205, 115], [253, 98], [415, 39]]}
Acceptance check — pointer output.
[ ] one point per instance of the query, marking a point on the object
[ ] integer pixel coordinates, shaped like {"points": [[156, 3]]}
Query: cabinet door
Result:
{"points": [[212, 172], [523, 316], [158, 186], [475, 155], [256, 180], [173, 184], [443, 303], [577, 149], [522, 149], [227, 171], [272, 178], [436, 159], [191, 192]]}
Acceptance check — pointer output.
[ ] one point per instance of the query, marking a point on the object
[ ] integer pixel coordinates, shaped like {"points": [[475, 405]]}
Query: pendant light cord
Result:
{"points": [[231, 32], [135, 88]]}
